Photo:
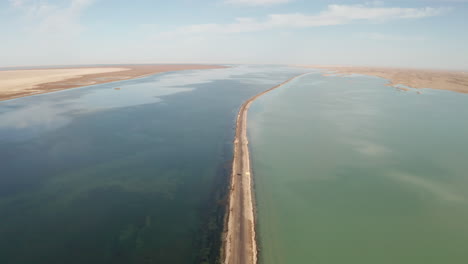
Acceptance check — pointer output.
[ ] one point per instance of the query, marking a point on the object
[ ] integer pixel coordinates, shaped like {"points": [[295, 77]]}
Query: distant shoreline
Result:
{"points": [[239, 238], [456, 81], [25, 82]]}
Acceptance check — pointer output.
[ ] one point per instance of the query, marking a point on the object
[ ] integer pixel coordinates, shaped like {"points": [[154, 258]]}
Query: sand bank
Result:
{"points": [[239, 242], [19, 83], [456, 81]]}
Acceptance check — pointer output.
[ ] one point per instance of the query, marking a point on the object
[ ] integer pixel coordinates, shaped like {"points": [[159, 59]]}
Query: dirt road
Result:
{"points": [[239, 245]]}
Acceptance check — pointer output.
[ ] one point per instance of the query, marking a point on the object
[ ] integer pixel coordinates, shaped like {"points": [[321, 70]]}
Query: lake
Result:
{"points": [[348, 170], [131, 175]]}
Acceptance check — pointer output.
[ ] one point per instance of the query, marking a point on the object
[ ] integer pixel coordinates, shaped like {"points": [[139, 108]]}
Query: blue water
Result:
{"points": [[136, 175]]}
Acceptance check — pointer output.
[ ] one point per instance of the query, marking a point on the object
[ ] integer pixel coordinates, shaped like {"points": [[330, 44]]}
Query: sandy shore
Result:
{"points": [[239, 242], [456, 81], [19, 83]]}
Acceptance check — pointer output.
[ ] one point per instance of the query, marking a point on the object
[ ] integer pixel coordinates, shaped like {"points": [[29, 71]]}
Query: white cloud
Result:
{"points": [[345, 14], [257, 2], [44, 17], [375, 3], [450, 1], [47, 31], [392, 37], [16, 3], [333, 15]]}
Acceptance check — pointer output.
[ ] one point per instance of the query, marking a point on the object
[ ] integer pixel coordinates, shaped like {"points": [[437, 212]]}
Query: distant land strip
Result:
{"points": [[25, 82], [456, 81], [239, 238]]}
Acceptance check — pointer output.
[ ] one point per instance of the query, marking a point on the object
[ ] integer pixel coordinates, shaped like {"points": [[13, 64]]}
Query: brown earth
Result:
{"points": [[456, 81], [19, 83]]}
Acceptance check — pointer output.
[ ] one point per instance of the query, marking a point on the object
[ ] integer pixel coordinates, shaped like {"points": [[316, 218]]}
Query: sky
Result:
{"points": [[411, 33]]}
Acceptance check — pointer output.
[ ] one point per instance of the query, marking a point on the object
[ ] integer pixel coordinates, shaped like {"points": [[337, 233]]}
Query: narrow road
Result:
{"points": [[239, 245]]}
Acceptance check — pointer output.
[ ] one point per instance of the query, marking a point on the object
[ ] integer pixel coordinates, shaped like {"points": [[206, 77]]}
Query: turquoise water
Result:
{"points": [[137, 175], [348, 170]]}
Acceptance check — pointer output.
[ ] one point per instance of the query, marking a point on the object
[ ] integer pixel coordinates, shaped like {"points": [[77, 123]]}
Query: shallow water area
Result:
{"points": [[348, 170]]}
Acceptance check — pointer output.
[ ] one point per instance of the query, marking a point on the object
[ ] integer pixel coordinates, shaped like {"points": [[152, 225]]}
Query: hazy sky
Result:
{"points": [[412, 33]]}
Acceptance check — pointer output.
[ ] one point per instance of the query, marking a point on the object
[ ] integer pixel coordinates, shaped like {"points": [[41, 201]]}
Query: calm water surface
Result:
{"points": [[348, 170], [137, 175]]}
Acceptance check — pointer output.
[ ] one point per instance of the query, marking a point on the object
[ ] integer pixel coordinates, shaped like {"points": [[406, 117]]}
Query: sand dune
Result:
{"points": [[19, 83], [19, 80], [456, 81]]}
